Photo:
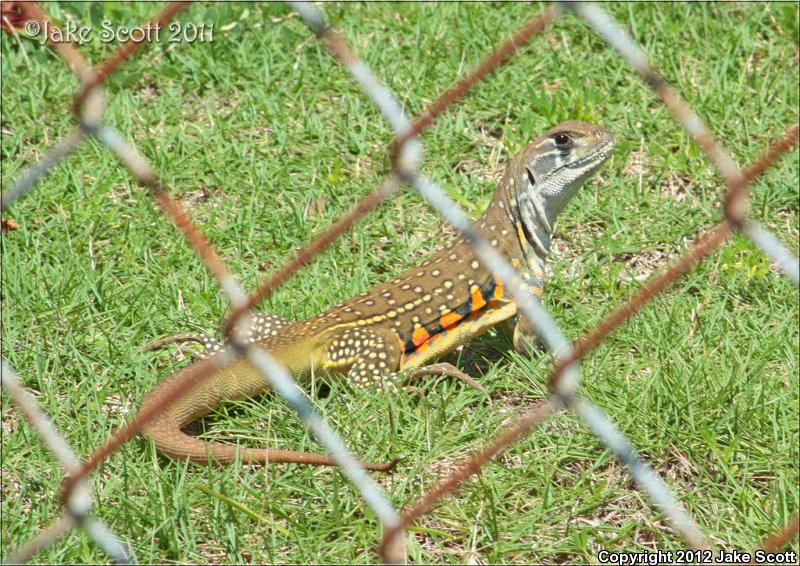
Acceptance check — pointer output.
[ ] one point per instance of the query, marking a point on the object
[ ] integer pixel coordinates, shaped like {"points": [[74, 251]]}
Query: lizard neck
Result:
{"points": [[529, 216]]}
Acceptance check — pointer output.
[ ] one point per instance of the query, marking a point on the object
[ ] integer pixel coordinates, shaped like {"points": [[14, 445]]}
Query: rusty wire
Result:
{"points": [[124, 53], [399, 149], [79, 505], [281, 380], [704, 245], [89, 111], [782, 537], [737, 183], [495, 59], [406, 151]]}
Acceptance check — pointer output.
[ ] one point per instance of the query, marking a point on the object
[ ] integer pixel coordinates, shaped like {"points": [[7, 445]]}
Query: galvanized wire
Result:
{"points": [[79, 505], [406, 152], [563, 381], [280, 378]]}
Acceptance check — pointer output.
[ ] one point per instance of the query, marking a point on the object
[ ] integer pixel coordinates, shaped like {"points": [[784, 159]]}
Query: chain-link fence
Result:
{"points": [[565, 377]]}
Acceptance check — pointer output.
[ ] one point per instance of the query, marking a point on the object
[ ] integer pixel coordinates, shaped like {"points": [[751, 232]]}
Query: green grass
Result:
{"points": [[247, 131]]}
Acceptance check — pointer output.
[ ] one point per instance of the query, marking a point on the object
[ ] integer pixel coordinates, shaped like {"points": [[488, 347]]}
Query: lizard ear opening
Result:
{"points": [[530, 176]]}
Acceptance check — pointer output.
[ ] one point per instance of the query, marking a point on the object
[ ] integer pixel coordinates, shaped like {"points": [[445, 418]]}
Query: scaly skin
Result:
{"points": [[402, 324]]}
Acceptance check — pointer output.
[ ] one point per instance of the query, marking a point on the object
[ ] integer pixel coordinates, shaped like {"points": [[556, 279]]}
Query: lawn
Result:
{"points": [[266, 140]]}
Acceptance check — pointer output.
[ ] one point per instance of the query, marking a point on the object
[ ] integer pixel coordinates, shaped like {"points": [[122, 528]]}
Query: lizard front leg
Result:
{"points": [[525, 339], [375, 357], [372, 354]]}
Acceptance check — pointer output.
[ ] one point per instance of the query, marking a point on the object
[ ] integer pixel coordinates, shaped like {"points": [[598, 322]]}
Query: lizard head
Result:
{"points": [[551, 169], [554, 166]]}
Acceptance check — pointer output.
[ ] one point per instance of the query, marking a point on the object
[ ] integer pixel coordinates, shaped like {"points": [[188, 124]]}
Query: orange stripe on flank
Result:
{"points": [[478, 302], [449, 319], [419, 336], [498, 287]]}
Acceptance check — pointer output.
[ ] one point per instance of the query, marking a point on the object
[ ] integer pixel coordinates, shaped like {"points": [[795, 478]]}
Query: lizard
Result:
{"points": [[403, 324]]}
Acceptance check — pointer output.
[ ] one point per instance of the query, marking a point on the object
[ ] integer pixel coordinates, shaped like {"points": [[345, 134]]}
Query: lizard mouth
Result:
{"points": [[602, 152]]}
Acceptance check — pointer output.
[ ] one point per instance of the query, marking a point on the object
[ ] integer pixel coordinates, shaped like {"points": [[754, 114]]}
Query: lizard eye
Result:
{"points": [[530, 176], [563, 141]]}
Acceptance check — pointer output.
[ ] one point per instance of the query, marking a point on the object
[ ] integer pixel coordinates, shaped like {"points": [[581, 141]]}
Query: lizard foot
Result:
{"points": [[210, 344], [450, 370]]}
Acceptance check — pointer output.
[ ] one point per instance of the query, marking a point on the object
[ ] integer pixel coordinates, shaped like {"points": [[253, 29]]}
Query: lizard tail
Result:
{"points": [[178, 445], [236, 381]]}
